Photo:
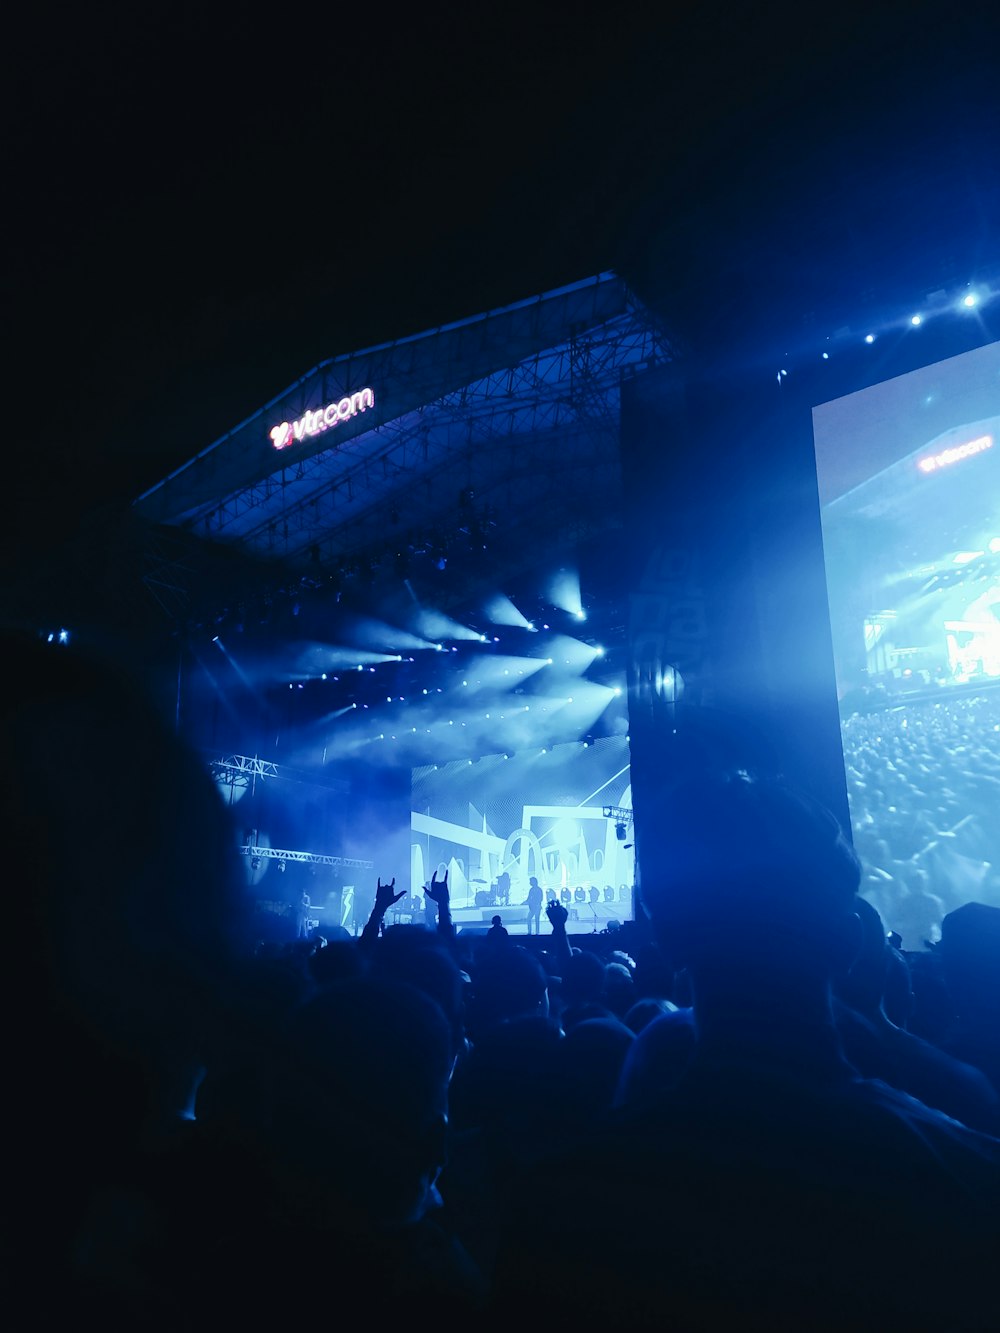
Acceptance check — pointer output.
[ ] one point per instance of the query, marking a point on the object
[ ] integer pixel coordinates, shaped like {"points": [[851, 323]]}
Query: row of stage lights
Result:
{"points": [[397, 657], [488, 717], [967, 303], [491, 717]]}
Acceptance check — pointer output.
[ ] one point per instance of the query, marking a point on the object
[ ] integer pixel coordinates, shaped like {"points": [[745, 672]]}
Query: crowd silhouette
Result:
{"points": [[748, 1108]]}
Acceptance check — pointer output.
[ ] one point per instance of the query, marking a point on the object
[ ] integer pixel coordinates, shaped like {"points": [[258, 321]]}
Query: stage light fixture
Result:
{"points": [[916, 320], [970, 300], [869, 337]]}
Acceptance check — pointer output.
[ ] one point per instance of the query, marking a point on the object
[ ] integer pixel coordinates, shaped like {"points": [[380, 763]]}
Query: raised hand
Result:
{"points": [[384, 895], [556, 913], [437, 890]]}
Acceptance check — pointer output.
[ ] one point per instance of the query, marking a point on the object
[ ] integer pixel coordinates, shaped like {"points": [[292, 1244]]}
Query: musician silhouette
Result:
{"points": [[534, 902]]}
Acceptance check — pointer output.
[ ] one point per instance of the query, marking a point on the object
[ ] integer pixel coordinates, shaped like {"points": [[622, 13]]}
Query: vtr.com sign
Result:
{"points": [[322, 419]]}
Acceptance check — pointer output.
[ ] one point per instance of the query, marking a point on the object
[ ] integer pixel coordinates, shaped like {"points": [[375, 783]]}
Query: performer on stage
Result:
{"points": [[534, 901], [303, 915]]}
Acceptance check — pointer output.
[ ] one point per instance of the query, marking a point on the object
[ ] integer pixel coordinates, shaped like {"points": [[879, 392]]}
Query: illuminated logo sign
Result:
{"points": [[953, 455], [324, 418]]}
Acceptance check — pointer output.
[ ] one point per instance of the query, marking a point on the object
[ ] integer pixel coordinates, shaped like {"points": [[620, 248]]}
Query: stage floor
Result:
{"points": [[584, 918]]}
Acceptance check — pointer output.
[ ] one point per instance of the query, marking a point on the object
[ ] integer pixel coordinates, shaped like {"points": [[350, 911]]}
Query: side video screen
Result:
{"points": [[909, 483]]}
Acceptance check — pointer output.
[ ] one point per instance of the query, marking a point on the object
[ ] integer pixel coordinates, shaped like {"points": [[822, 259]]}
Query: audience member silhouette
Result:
{"points": [[969, 950], [498, 932], [131, 922], [352, 1143], [582, 991], [506, 983], [880, 1048], [770, 1185]]}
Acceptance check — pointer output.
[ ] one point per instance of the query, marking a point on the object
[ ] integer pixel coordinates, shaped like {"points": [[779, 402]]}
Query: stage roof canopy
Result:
{"points": [[457, 457]]}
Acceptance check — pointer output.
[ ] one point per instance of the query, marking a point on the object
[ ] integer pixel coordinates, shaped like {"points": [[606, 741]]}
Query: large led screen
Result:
{"points": [[909, 483]]}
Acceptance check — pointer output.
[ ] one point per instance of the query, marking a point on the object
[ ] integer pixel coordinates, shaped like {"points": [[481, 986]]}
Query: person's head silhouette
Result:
{"points": [[757, 905]]}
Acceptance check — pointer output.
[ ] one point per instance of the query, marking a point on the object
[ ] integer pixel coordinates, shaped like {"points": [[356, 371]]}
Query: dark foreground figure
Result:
{"points": [[767, 1185], [197, 1139]]}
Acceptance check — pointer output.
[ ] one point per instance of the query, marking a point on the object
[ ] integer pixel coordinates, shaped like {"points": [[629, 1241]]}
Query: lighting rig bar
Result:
{"points": [[309, 858], [619, 813], [239, 769]]}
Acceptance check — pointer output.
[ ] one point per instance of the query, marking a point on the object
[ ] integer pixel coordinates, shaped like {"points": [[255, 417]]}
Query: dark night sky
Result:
{"points": [[197, 212]]}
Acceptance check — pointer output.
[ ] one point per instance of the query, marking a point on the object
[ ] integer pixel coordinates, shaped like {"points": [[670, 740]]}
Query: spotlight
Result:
{"points": [[869, 337], [255, 863], [281, 866], [916, 320], [621, 832], [970, 300]]}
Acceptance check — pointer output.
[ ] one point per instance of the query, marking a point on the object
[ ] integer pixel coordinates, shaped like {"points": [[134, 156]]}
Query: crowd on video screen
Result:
{"points": [[923, 782]]}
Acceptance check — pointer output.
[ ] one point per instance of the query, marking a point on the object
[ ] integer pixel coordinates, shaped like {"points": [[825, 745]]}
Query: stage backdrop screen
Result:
{"points": [[562, 815], [908, 473]]}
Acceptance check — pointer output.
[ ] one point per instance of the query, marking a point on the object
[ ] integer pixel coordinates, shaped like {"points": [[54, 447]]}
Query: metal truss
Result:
{"points": [[573, 387], [504, 427], [309, 858], [621, 814], [240, 771], [406, 374]]}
